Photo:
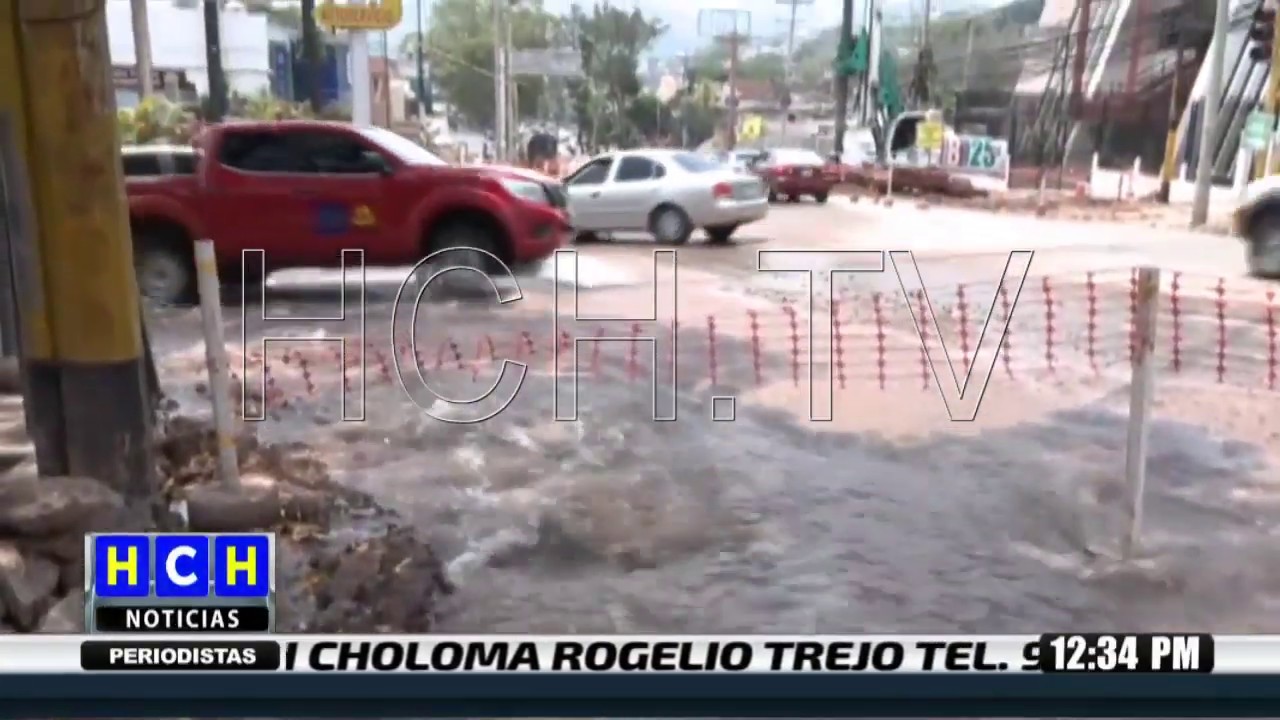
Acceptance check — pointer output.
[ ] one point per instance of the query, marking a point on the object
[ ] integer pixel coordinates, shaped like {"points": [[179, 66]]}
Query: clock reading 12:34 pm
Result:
{"points": [[1150, 653]]}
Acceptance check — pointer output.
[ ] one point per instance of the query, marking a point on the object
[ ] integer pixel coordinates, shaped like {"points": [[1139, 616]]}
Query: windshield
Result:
{"points": [[695, 163], [795, 157], [405, 150]]}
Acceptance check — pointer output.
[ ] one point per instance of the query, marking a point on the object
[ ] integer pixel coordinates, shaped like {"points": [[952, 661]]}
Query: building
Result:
{"points": [[178, 49], [285, 51]]}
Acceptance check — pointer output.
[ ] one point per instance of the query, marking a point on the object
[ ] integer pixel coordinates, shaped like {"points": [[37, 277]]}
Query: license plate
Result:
{"points": [[808, 173]]}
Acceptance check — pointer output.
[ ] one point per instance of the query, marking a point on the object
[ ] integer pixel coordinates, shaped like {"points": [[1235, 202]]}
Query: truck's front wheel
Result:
{"points": [[471, 242], [165, 268], [1263, 254]]}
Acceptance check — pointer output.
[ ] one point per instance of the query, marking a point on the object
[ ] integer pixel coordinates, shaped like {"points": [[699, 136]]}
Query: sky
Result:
{"points": [[768, 18]]}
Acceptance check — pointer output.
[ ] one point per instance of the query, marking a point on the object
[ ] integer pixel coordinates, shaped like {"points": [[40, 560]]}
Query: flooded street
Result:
{"points": [[887, 519]]}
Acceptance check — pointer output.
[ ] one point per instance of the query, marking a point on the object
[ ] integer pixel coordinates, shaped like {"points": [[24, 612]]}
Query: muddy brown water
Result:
{"points": [[616, 523]]}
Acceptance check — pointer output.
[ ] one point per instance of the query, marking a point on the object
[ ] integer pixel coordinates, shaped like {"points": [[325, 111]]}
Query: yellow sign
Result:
{"points": [[752, 128], [363, 217], [929, 135], [377, 15]]}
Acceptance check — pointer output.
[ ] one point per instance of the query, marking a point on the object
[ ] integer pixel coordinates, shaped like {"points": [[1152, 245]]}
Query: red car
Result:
{"points": [[793, 173], [304, 191]]}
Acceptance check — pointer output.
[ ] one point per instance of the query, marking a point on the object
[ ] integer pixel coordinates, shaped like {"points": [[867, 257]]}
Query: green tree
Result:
{"points": [[460, 45], [611, 40], [713, 63]]}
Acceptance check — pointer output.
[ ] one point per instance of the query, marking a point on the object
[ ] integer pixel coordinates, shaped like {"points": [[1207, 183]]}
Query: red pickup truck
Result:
{"points": [[303, 191]]}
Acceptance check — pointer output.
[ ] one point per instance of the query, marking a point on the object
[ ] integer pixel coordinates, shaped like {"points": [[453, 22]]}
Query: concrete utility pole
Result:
{"points": [[361, 78], [1212, 104], [842, 81], [968, 54], [731, 139], [730, 28], [141, 47], [791, 36], [513, 105], [81, 331], [419, 51], [789, 66], [500, 99]]}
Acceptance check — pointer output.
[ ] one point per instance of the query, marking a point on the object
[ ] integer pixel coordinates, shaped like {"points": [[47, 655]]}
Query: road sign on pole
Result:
{"points": [[1257, 130], [548, 62]]}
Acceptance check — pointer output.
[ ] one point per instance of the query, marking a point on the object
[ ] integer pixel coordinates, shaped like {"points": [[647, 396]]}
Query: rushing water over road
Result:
{"points": [[618, 523]]}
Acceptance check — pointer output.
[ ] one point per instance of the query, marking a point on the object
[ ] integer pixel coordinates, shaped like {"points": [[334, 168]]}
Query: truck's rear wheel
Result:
{"points": [[1263, 255], [165, 268]]}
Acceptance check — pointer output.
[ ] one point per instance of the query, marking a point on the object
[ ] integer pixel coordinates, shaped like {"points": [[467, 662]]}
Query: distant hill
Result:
{"points": [[998, 43]]}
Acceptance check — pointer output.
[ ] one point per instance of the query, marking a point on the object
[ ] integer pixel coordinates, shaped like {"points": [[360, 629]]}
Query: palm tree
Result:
{"points": [[311, 56]]}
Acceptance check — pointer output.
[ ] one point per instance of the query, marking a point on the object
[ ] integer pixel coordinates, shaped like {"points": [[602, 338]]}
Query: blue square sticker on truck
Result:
{"points": [[331, 219]]}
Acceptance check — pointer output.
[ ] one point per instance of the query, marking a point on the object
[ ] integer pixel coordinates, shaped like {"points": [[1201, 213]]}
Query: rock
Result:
{"points": [[66, 616], [41, 507], [401, 573], [26, 585], [303, 505], [71, 576], [255, 505]]}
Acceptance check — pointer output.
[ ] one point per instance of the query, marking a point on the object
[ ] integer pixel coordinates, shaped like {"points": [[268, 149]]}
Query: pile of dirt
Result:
{"points": [[910, 181], [343, 564]]}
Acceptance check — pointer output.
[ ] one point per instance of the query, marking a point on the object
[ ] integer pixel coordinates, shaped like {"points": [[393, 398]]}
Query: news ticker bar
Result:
{"points": [[1097, 654], [309, 676]]}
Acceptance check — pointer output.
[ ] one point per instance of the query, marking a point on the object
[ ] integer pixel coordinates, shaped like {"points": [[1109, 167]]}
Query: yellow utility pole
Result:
{"points": [[1271, 103], [1169, 167], [1263, 27], [81, 329]]}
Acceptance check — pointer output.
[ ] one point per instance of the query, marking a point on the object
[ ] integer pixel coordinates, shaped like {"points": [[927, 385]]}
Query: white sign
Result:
{"points": [[550, 62]]}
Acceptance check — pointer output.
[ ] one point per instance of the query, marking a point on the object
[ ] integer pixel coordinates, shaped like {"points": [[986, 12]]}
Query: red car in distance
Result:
{"points": [[794, 173]]}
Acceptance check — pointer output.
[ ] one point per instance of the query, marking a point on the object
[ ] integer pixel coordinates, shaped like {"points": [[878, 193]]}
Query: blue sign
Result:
{"points": [[331, 219], [187, 565]]}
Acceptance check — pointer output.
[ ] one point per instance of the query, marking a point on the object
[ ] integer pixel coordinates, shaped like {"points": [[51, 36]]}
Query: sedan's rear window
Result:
{"points": [[795, 157], [695, 163]]}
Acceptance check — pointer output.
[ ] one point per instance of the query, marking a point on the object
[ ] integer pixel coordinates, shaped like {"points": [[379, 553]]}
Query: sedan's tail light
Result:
{"points": [[722, 191]]}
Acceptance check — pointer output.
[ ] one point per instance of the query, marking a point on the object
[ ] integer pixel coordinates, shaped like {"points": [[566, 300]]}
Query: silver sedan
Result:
{"points": [[667, 193]]}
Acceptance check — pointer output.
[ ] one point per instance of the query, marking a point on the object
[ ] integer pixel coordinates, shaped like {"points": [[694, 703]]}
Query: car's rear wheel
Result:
{"points": [[166, 269], [586, 238], [670, 225], [720, 235], [1263, 256], [820, 198]]}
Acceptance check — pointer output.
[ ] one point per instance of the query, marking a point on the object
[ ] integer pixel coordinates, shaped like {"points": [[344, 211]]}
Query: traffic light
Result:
{"points": [[1262, 33]]}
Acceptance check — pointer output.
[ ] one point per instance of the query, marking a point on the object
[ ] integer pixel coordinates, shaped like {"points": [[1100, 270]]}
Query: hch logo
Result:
{"points": [[181, 565]]}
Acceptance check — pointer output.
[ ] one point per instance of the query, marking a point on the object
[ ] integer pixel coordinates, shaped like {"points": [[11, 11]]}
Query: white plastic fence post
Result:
{"points": [[1244, 167], [216, 362], [1141, 389]]}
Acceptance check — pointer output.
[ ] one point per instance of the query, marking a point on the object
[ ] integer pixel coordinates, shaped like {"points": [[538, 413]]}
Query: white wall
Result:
{"points": [[177, 41]]}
